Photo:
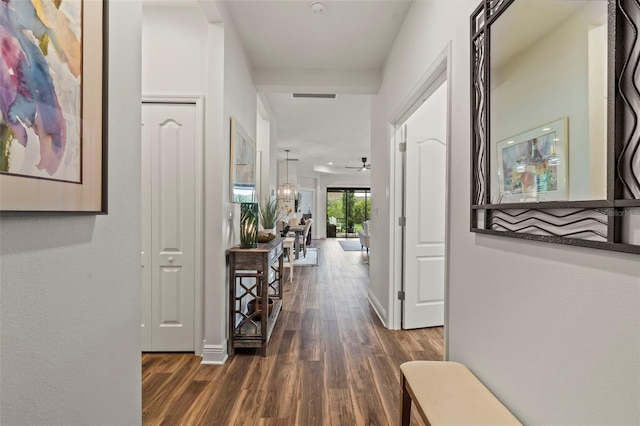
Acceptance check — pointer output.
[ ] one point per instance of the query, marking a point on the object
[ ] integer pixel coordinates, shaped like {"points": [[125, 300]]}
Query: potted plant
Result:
{"points": [[270, 213]]}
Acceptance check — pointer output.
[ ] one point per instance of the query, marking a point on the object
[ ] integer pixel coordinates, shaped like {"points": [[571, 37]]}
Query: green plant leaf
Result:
{"points": [[270, 212]]}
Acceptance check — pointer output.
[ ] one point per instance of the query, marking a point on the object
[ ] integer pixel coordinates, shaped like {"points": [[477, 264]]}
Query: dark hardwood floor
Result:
{"points": [[331, 362]]}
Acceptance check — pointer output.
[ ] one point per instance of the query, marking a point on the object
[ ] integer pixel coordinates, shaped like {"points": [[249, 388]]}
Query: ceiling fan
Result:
{"points": [[364, 166]]}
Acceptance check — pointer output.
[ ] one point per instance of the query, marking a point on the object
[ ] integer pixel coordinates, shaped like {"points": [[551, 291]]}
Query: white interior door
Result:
{"points": [[425, 192], [168, 209]]}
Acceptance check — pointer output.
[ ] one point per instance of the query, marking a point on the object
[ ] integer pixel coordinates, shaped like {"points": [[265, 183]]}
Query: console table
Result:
{"points": [[254, 278]]}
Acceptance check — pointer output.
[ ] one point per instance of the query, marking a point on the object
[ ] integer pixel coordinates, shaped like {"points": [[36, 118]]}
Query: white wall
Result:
{"points": [[308, 182], [174, 50], [305, 201], [270, 161], [263, 144], [553, 331], [216, 210], [273, 158], [70, 307], [231, 94]]}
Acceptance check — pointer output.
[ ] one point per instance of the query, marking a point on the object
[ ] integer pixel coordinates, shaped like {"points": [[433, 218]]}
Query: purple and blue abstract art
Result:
{"points": [[41, 88]]}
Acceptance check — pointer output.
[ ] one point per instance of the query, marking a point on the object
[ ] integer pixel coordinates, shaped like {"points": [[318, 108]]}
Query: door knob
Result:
{"points": [[171, 259]]}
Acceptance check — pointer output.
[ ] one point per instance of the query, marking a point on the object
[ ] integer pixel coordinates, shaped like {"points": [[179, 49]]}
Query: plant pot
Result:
{"points": [[248, 225], [251, 307]]}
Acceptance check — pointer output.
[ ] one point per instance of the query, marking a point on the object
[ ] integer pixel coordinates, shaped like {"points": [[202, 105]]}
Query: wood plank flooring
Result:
{"points": [[331, 362]]}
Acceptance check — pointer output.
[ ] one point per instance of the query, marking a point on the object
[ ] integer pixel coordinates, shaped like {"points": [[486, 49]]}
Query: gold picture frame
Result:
{"points": [[53, 139]]}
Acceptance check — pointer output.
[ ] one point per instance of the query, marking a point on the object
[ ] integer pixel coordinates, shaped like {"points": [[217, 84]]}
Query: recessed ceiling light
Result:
{"points": [[317, 8], [510, 142], [546, 129], [331, 164]]}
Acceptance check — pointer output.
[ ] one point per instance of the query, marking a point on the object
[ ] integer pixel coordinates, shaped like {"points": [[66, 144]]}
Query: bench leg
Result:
{"points": [[405, 414]]}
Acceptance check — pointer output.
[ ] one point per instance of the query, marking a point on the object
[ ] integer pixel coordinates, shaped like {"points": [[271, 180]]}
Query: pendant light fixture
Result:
{"points": [[286, 191]]}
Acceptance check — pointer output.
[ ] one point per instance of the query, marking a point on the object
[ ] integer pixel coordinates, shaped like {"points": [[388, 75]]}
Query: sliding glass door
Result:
{"points": [[347, 210]]}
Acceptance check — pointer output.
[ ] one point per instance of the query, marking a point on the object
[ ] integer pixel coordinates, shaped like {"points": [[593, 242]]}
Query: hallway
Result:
{"points": [[330, 361]]}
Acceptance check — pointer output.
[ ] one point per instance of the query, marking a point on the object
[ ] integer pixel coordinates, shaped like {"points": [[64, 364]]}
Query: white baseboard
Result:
{"points": [[375, 303], [214, 354]]}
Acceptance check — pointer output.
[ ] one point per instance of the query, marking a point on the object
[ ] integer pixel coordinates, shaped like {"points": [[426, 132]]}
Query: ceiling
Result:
{"points": [[348, 37], [323, 131]]}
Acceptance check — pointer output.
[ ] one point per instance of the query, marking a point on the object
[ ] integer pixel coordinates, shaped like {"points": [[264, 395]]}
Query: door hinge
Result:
{"points": [[402, 221], [401, 295], [402, 147]]}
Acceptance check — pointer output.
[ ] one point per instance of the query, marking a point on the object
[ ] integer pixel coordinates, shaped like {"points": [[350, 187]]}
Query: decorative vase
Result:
{"points": [[265, 236], [248, 225], [255, 305]]}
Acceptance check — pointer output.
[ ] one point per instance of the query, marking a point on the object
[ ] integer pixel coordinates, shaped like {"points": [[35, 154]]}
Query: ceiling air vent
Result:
{"points": [[315, 95]]}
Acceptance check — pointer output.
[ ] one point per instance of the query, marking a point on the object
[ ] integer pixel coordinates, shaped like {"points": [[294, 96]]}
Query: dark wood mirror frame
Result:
{"points": [[602, 224]]}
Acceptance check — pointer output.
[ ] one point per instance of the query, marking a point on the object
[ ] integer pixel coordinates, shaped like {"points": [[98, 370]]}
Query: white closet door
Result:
{"points": [[168, 207], [426, 161]]}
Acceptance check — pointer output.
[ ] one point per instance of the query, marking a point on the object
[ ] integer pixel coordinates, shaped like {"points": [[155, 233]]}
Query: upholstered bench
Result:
{"points": [[447, 393]]}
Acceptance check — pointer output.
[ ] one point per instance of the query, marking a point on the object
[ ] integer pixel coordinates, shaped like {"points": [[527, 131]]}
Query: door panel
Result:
{"points": [[170, 132], [168, 173], [170, 297], [430, 268], [431, 223], [425, 192]]}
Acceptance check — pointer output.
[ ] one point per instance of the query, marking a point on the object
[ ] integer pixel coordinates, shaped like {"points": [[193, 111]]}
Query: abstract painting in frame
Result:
{"points": [[243, 165], [533, 165], [53, 106]]}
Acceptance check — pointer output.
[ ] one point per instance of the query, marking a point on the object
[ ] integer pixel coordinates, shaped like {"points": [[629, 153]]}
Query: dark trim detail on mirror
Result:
{"points": [[628, 102], [596, 224]]}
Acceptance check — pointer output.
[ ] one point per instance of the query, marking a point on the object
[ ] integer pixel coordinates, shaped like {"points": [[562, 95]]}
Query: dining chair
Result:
{"points": [[307, 226]]}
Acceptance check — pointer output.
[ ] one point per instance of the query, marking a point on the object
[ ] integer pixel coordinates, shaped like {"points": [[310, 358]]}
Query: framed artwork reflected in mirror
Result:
{"points": [[533, 165]]}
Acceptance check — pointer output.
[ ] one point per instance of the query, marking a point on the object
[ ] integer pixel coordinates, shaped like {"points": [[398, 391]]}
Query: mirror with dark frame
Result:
{"points": [[555, 114]]}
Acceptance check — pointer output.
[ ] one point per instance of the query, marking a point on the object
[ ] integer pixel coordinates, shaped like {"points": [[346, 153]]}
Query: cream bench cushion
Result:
{"points": [[447, 393]]}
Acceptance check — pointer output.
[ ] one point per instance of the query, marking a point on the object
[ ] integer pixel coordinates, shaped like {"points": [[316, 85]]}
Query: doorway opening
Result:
{"points": [[347, 211], [421, 130], [304, 203], [425, 152]]}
